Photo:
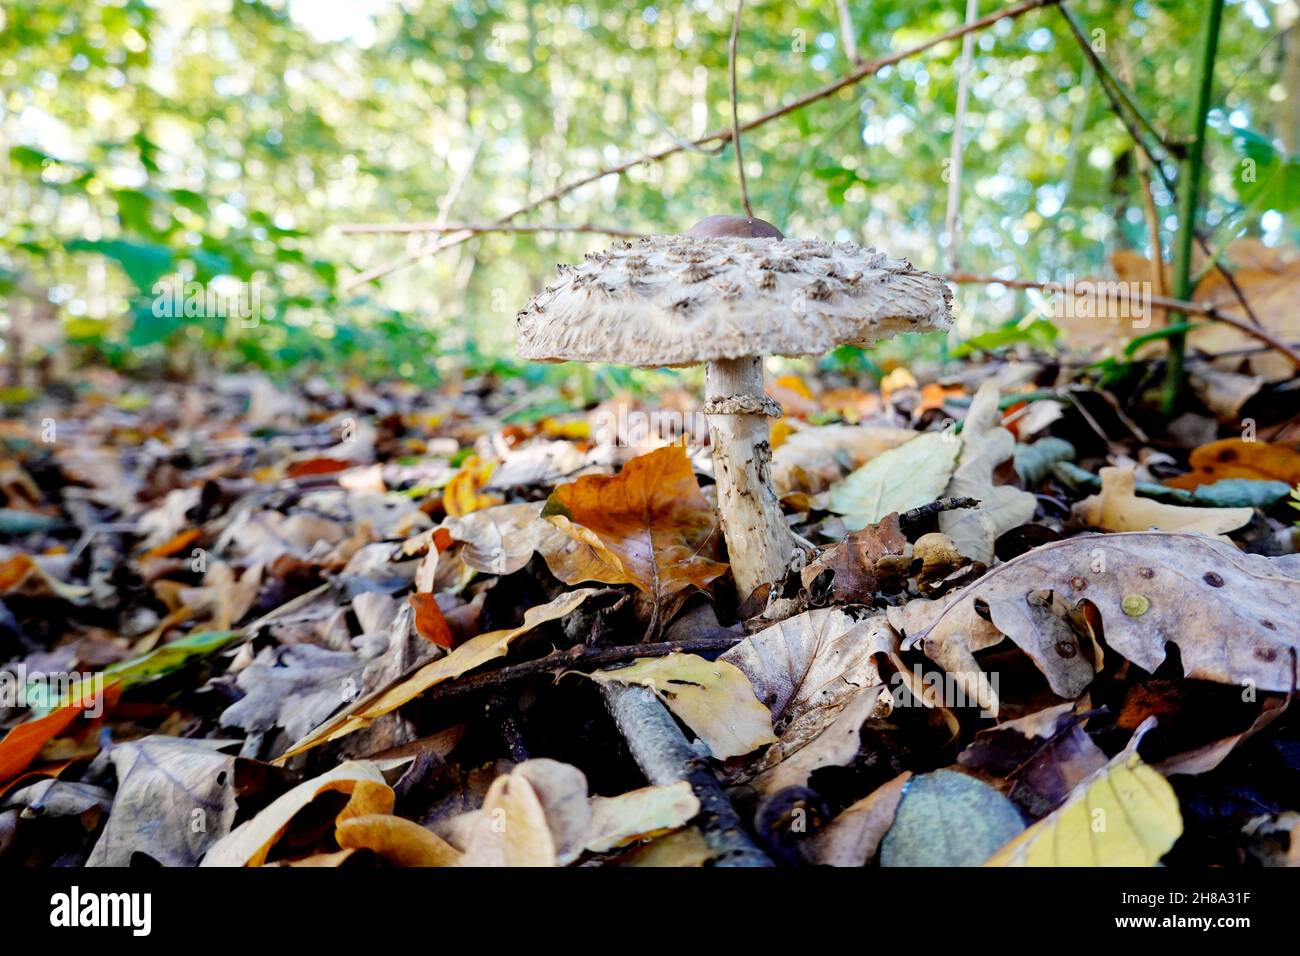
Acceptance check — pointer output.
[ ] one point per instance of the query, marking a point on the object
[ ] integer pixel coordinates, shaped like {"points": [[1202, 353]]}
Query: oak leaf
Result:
{"points": [[1232, 615], [649, 525]]}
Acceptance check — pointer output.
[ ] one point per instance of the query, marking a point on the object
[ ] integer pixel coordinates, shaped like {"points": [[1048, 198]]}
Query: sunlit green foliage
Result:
{"points": [[224, 138]]}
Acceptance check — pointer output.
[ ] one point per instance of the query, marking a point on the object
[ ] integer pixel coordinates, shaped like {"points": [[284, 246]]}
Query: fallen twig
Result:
{"points": [[581, 658], [913, 515], [661, 751]]}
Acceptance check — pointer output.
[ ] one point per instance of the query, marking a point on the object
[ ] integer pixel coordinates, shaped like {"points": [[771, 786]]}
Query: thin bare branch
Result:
{"points": [[1213, 313], [1122, 103], [851, 78], [382, 228]]}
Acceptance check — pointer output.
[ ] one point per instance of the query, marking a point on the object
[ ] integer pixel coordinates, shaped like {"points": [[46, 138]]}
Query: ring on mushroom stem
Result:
{"points": [[728, 293]]}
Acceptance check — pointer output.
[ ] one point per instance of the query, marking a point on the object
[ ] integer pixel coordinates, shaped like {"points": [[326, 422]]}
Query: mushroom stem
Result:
{"points": [[759, 543]]}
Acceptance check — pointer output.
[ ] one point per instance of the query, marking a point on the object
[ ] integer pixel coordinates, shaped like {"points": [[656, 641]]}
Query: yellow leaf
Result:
{"points": [[781, 430], [713, 698], [649, 525], [473, 653], [794, 384], [400, 841], [1125, 814], [678, 849], [251, 842], [463, 492], [1118, 508], [639, 815]]}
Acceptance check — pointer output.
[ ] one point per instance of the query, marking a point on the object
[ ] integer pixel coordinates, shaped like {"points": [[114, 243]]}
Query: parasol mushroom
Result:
{"points": [[728, 293]]}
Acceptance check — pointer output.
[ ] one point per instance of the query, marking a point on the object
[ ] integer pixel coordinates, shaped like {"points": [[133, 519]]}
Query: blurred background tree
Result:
{"points": [[223, 140]]}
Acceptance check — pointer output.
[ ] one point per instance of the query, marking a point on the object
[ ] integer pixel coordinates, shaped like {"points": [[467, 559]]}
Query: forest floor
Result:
{"points": [[252, 624]]}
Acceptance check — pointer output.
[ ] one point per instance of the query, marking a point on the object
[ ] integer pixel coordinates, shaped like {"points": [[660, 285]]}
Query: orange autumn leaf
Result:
{"points": [[851, 404], [649, 525], [463, 492], [1238, 458], [933, 395], [177, 543], [429, 622], [441, 539], [24, 743], [21, 745], [22, 575], [318, 466]]}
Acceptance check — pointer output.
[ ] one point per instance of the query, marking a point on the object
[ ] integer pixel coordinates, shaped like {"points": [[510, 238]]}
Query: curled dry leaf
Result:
{"points": [[545, 803], [856, 566], [649, 525], [1118, 508], [399, 841], [1124, 814], [807, 668], [1205, 758], [713, 698], [985, 447], [536, 815], [1231, 614], [836, 745], [1040, 758], [502, 540], [251, 842]]}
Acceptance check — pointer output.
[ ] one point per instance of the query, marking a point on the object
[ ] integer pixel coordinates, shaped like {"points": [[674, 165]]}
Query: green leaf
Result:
{"points": [[144, 263], [911, 475], [1038, 333], [167, 659]]}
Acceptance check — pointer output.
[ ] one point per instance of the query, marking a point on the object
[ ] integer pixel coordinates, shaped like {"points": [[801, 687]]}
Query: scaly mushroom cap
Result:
{"points": [[681, 300]]}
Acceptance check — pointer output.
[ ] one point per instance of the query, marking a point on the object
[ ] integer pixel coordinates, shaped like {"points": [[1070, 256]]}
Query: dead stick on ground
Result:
{"points": [[581, 658], [934, 507], [661, 751]]}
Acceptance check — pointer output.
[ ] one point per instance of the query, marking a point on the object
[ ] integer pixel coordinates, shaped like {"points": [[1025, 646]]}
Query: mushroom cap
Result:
{"points": [[682, 300]]}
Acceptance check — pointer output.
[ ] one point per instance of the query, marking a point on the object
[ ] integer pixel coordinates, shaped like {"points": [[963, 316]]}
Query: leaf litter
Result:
{"points": [[391, 629]]}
